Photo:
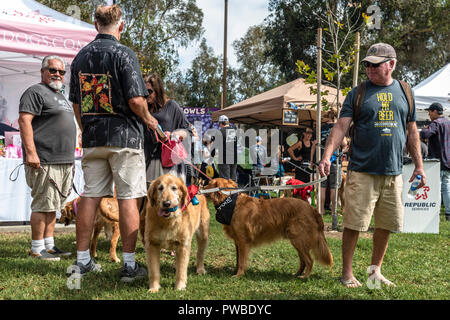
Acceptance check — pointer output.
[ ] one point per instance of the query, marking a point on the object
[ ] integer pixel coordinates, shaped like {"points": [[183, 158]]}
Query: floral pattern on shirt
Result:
{"points": [[95, 90]]}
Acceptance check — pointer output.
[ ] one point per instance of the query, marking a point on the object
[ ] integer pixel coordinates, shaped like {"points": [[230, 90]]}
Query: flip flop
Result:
{"points": [[350, 283]]}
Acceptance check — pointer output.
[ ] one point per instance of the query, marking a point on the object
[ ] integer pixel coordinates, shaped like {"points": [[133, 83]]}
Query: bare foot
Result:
{"points": [[376, 276]]}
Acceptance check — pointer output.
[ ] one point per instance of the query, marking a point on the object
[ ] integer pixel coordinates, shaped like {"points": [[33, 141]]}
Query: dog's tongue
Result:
{"points": [[163, 213]]}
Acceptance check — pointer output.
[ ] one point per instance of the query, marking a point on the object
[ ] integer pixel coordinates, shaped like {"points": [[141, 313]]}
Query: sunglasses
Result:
{"points": [[53, 71], [368, 64], [150, 91]]}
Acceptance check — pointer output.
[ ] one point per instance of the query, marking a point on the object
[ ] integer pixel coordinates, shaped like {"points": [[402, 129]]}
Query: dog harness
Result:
{"points": [[225, 210]]}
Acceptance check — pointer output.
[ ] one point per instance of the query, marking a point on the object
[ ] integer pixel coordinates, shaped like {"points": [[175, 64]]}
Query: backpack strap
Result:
{"points": [[357, 103], [358, 100], [409, 96]]}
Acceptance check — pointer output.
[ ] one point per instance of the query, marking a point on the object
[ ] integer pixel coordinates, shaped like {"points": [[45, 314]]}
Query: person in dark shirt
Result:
{"points": [[374, 180], [302, 154], [228, 159], [108, 95], [173, 122], [438, 135]]}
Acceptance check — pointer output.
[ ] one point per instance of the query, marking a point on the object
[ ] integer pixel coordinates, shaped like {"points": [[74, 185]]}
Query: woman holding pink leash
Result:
{"points": [[173, 124]]}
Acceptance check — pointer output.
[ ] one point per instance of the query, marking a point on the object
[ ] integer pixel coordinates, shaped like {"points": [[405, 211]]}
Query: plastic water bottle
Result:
{"points": [[161, 133], [413, 189]]}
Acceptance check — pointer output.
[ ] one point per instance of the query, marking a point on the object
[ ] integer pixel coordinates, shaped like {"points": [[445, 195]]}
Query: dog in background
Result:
{"points": [[258, 221], [341, 190], [170, 223], [106, 217]]}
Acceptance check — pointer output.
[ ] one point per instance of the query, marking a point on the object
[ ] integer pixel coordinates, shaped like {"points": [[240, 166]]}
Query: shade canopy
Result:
{"points": [[267, 108], [28, 32], [435, 88]]}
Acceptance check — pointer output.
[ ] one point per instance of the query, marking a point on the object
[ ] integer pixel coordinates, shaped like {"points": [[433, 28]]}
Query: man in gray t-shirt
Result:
{"points": [[48, 131], [53, 124], [374, 181]]}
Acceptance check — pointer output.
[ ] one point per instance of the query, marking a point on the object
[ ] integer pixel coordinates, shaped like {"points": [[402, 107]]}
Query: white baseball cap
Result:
{"points": [[223, 118]]}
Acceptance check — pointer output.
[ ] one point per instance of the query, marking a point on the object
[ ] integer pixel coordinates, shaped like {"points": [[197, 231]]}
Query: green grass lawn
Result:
{"points": [[417, 263]]}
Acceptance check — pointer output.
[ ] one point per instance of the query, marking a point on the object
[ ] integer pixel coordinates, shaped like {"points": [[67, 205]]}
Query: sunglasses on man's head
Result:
{"points": [[368, 64], [53, 71]]}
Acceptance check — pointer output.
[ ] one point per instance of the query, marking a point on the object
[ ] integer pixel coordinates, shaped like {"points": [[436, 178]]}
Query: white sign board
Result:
{"points": [[421, 213]]}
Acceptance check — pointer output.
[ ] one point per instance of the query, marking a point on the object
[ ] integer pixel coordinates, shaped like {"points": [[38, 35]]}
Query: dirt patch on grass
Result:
{"points": [[338, 234]]}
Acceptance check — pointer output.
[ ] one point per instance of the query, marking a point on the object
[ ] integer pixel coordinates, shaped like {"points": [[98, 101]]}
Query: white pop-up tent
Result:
{"points": [[435, 88], [28, 32]]}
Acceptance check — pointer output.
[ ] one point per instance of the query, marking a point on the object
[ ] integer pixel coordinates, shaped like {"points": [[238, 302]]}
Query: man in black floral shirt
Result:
{"points": [[108, 95]]}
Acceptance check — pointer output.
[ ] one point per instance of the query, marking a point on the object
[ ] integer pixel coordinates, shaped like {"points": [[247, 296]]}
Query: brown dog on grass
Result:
{"points": [[170, 223], [257, 221], [107, 217]]}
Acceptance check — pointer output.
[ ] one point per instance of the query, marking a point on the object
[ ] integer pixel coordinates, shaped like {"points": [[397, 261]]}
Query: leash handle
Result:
{"points": [[14, 170]]}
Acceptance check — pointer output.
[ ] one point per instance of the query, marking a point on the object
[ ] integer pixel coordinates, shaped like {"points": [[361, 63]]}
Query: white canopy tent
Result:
{"points": [[435, 88], [28, 32]]}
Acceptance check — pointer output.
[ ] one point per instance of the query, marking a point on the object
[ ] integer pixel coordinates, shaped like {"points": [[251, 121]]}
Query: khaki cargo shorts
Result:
{"points": [[367, 194], [107, 167], [46, 197]]}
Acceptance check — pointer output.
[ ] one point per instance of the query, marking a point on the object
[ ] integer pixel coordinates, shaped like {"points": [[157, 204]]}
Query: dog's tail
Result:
{"points": [[322, 251]]}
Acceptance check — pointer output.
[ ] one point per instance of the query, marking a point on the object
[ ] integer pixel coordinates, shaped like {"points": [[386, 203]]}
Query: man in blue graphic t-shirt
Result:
{"points": [[374, 180]]}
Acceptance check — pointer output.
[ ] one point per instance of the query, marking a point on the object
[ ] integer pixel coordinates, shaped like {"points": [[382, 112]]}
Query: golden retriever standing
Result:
{"points": [[258, 221], [170, 223], [107, 217]]}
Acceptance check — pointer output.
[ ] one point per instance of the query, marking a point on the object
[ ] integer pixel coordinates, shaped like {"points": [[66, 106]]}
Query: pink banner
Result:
{"points": [[43, 39]]}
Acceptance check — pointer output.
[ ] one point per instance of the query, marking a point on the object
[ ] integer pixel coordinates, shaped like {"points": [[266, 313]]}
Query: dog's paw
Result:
{"points": [[116, 260], [180, 286], [154, 289], [201, 271]]}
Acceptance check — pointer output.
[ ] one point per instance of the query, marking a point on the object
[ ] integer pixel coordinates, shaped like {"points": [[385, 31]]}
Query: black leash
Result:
{"points": [[50, 179]]}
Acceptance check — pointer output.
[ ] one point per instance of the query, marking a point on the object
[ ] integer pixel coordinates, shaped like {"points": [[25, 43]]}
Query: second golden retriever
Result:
{"points": [[170, 223], [257, 221], [106, 216]]}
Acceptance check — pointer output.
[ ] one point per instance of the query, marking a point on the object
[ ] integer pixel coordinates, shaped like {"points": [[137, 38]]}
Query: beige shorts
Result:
{"points": [[367, 194], [107, 167], [46, 197]]}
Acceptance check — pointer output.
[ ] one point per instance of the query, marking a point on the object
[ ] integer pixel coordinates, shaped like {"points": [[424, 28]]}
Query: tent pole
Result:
{"points": [[318, 111], [224, 75], [356, 63]]}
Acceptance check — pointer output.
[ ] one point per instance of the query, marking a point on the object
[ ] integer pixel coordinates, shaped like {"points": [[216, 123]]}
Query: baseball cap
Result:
{"points": [[258, 138], [223, 118], [207, 138], [379, 52], [436, 106]]}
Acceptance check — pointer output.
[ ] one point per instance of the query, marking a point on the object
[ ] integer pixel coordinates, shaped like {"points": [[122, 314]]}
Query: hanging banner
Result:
{"points": [[421, 212], [200, 115], [35, 29]]}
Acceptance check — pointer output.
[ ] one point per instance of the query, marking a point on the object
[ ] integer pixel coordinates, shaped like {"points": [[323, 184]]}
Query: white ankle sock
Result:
{"points": [[49, 243], [37, 245], [128, 259], [84, 257]]}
